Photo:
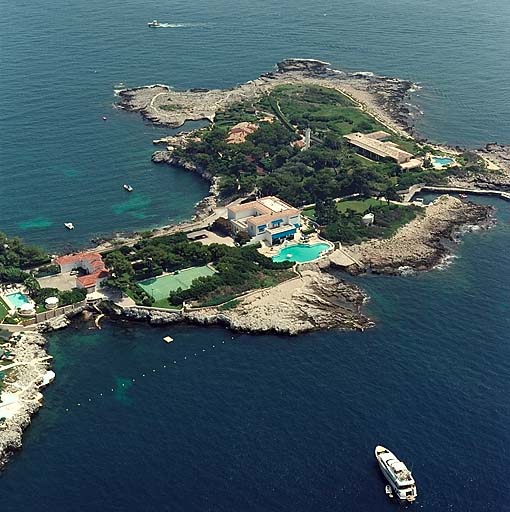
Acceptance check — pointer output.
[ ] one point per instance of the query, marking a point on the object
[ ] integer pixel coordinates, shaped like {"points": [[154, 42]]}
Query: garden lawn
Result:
{"points": [[4, 310]]}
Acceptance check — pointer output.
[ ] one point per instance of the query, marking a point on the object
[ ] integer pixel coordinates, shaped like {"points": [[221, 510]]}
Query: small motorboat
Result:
{"points": [[168, 339], [153, 24], [129, 188], [389, 491], [69, 225], [463, 196], [105, 118]]}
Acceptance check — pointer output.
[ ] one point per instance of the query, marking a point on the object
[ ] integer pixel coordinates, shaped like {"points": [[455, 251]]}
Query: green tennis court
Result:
{"points": [[160, 287]]}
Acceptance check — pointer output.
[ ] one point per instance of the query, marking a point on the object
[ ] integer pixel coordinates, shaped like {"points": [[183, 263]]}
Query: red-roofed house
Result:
{"points": [[91, 262]]}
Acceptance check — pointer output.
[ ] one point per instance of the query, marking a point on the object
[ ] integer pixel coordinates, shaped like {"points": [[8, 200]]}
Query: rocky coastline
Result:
{"points": [[385, 98], [424, 242], [314, 300], [28, 372]]}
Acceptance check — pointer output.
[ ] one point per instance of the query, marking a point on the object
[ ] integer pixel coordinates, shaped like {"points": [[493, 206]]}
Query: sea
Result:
{"points": [[222, 421]]}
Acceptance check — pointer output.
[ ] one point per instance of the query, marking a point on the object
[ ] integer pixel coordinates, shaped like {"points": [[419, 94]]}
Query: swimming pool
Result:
{"points": [[442, 161], [17, 299], [300, 253]]}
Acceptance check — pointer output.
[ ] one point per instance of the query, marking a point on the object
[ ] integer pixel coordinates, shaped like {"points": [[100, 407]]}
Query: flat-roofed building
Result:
{"points": [[373, 146], [268, 218]]}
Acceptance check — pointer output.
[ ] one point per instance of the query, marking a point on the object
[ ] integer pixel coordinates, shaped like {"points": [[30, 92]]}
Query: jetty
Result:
{"points": [[416, 189]]}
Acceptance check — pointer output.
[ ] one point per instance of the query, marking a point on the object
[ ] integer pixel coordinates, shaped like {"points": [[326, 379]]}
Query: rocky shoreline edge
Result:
{"points": [[423, 243], [21, 392]]}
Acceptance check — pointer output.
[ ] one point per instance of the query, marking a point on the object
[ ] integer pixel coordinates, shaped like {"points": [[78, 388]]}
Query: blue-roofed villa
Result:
{"points": [[268, 219]]}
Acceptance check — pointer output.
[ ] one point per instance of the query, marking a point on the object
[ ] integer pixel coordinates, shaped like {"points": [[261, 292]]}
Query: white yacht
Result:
{"points": [[399, 477], [129, 188], [153, 24], [69, 225]]}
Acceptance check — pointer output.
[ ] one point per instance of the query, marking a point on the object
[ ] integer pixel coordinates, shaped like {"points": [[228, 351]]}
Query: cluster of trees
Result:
{"points": [[39, 295], [348, 228], [267, 161], [238, 268], [16, 257]]}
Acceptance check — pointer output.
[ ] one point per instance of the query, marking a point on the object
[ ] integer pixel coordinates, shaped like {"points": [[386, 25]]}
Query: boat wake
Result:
{"points": [[181, 25]]}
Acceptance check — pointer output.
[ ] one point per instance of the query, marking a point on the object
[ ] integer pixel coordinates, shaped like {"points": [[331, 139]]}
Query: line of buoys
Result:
{"points": [[133, 379]]}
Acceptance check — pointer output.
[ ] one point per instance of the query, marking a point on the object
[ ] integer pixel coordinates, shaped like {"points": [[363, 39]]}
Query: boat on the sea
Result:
{"points": [[129, 188], [463, 196], [69, 225], [168, 339], [399, 477], [389, 491], [154, 24], [105, 118]]}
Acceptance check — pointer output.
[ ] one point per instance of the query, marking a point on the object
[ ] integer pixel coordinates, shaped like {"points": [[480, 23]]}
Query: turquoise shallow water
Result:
{"points": [[300, 253], [258, 422]]}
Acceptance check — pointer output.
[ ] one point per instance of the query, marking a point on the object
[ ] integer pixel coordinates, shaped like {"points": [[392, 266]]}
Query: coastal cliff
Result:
{"points": [[21, 398], [312, 301], [423, 243]]}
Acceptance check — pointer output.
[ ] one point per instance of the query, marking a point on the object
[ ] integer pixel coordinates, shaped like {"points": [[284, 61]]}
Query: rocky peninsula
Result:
{"points": [[27, 372], [312, 301], [383, 97], [424, 242]]}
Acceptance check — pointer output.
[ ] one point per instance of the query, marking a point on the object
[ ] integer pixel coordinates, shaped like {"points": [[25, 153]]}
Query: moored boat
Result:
{"points": [[69, 225], [129, 188], [399, 477]]}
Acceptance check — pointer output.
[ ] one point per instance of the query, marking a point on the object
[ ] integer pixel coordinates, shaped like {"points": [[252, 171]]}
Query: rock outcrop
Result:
{"points": [[423, 243], [313, 301], [382, 96], [20, 397]]}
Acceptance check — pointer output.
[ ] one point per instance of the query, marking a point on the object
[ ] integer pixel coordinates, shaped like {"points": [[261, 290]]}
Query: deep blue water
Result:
{"points": [[60, 60], [256, 423]]}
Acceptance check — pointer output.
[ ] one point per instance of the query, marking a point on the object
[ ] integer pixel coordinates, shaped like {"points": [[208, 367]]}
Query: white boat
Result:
{"points": [[153, 24], [69, 225], [129, 188], [399, 477], [168, 339], [463, 196]]}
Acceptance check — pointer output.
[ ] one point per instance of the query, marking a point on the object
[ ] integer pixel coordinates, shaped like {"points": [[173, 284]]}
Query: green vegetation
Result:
{"points": [[268, 162], [238, 269], [16, 258], [4, 310], [343, 221], [229, 305]]}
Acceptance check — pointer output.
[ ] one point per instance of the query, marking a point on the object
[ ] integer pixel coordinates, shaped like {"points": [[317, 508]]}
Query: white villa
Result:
{"points": [[267, 219]]}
